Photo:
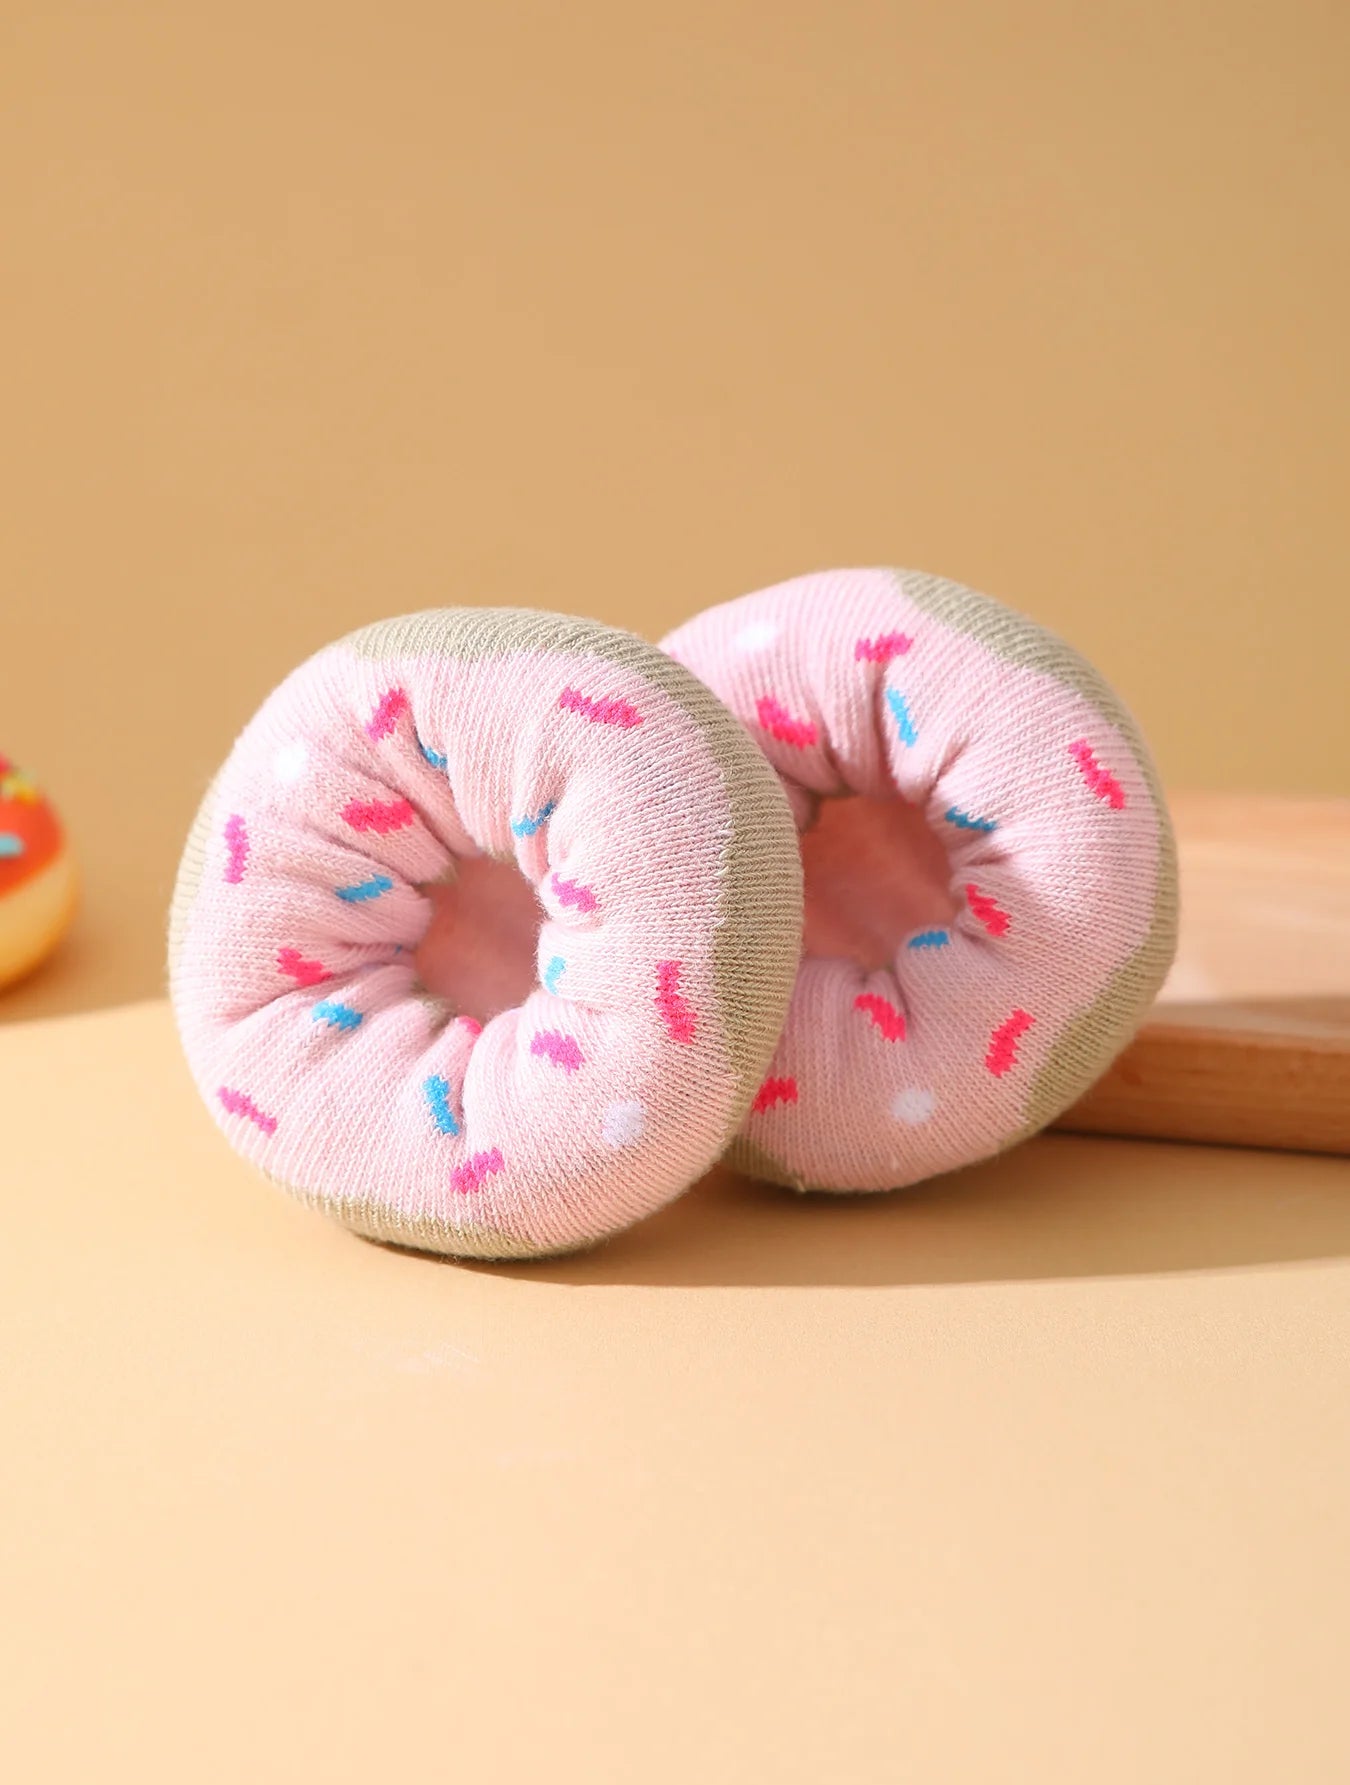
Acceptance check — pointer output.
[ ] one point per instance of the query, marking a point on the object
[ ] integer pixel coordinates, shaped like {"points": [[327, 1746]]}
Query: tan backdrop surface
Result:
{"points": [[315, 313]]}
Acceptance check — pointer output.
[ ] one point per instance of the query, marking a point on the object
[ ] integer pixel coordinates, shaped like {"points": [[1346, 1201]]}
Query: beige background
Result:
{"points": [[322, 312], [317, 313]]}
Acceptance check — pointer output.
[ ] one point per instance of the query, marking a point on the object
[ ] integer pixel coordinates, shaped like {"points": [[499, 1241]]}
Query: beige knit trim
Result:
{"points": [[190, 870], [1092, 1040]]}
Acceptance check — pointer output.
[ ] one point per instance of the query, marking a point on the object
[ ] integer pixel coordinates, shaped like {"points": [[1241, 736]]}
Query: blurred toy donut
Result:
{"points": [[37, 875]]}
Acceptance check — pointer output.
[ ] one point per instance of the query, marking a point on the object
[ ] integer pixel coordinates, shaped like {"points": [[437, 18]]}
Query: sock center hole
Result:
{"points": [[874, 872], [479, 950]]}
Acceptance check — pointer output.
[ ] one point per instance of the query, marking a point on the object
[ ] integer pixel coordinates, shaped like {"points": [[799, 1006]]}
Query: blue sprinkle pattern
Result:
{"points": [[368, 889], [929, 939], [434, 757], [437, 1093], [553, 973], [527, 826], [337, 1016], [900, 712], [10, 846], [964, 822]]}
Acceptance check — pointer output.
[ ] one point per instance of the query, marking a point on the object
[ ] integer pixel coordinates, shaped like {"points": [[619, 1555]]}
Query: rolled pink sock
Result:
{"points": [[485, 931], [989, 870]]}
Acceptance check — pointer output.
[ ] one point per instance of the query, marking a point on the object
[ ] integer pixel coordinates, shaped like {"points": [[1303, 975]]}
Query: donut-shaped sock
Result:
{"points": [[37, 875], [374, 1005], [990, 876]]}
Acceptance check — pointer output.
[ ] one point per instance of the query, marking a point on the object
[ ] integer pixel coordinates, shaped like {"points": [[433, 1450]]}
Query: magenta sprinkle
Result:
{"points": [[1002, 1055], [386, 716], [780, 724], [883, 1013], [552, 1044], [236, 844], [884, 649], [1102, 782], [571, 892], [381, 816], [599, 712], [676, 1011], [471, 1175], [774, 1091], [239, 1103]]}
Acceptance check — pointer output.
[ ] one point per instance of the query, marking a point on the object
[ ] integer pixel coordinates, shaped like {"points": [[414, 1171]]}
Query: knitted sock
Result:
{"points": [[368, 999], [990, 874]]}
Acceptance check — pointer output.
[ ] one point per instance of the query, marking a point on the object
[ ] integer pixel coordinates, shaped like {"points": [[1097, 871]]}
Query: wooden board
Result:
{"points": [[1250, 1041]]}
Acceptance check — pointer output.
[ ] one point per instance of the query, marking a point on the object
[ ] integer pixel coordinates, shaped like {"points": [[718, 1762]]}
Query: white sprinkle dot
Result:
{"points": [[913, 1106], [757, 636], [290, 761], [623, 1124]]}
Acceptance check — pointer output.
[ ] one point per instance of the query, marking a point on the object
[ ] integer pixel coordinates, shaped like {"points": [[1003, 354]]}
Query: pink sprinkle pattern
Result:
{"points": [[883, 649], [774, 1091], [387, 714], [1002, 1055], [474, 1172], [303, 972], [883, 1013], [774, 717], [381, 816], [599, 712], [572, 892], [987, 911], [1102, 782], [676, 1011], [239, 1103], [236, 845], [552, 1044]]}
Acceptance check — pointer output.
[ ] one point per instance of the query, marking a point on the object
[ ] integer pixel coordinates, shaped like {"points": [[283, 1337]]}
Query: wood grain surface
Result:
{"points": [[1250, 1043]]}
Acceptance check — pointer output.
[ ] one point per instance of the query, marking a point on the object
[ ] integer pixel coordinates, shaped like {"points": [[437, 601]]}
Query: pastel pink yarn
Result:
{"points": [[989, 870], [485, 931]]}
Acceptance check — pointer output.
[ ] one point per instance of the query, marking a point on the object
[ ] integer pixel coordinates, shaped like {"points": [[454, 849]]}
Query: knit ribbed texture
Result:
{"points": [[661, 850], [987, 924]]}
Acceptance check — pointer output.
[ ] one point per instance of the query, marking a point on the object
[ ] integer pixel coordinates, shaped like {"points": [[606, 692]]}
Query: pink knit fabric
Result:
{"points": [[990, 880], [486, 931]]}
